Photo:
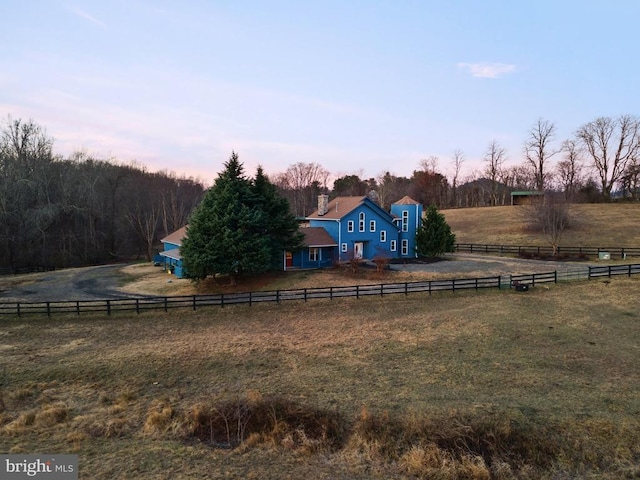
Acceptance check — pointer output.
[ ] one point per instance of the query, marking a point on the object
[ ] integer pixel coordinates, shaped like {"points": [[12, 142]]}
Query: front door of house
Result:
{"points": [[358, 249]]}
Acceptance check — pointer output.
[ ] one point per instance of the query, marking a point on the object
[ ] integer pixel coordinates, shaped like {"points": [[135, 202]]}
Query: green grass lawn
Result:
{"points": [[494, 384]]}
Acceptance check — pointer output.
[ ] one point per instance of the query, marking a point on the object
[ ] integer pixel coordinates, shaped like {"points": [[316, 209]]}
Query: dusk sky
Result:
{"points": [[357, 86]]}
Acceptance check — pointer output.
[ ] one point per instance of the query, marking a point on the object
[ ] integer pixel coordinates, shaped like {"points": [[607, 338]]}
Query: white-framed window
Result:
{"points": [[350, 225], [361, 222], [372, 225], [405, 221], [393, 246], [344, 247], [314, 254], [383, 236], [405, 247]]}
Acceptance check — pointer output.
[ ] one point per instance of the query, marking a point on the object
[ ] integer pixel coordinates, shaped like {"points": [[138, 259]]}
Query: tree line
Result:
{"points": [[599, 162], [81, 210]]}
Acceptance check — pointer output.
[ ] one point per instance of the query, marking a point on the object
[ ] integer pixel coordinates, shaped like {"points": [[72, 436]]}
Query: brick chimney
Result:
{"points": [[323, 204]]}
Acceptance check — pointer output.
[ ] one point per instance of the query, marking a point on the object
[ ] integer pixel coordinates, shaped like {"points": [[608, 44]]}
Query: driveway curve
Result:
{"points": [[87, 283], [102, 282]]}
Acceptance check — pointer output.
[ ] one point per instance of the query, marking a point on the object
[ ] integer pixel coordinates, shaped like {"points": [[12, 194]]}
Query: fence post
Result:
{"points": [[251, 298], [382, 289], [165, 303], [357, 291], [108, 307], [18, 308], [137, 306], [78, 307], [406, 289], [277, 296], [429, 287], [194, 303], [305, 295], [222, 300], [330, 293], [555, 276], [629, 267]]}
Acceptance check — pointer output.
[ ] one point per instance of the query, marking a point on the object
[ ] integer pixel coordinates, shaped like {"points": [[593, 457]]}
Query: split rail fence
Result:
{"points": [[194, 302]]}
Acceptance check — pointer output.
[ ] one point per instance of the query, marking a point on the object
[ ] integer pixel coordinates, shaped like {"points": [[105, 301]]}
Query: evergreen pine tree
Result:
{"points": [[434, 237], [240, 227]]}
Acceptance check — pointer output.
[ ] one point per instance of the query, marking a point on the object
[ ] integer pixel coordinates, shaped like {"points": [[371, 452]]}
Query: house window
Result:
{"points": [[393, 246], [383, 235], [350, 226], [344, 247], [405, 221], [314, 254], [405, 247], [361, 222], [372, 225]]}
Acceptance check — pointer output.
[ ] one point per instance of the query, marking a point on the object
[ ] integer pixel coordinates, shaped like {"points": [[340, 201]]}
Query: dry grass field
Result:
{"points": [[485, 385], [594, 225], [495, 384]]}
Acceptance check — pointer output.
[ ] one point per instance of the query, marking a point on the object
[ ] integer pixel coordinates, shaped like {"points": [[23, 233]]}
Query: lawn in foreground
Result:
{"points": [[464, 385]]}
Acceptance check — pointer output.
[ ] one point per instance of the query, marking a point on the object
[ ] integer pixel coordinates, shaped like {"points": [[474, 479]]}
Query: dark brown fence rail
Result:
{"points": [[194, 302], [615, 252]]}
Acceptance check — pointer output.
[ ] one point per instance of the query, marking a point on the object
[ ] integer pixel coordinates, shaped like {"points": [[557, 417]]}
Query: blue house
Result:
{"points": [[360, 229], [339, 230], [171, 253]]}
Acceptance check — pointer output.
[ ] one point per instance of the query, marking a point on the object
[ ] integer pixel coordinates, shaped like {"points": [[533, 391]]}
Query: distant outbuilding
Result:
{"points": [[526, 197]]}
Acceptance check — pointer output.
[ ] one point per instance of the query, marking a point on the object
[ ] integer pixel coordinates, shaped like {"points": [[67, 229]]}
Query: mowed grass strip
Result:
{"points": [[494, 384]]}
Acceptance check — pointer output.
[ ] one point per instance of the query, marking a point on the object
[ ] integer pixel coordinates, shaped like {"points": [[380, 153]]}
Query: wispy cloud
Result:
{"points": [[487, 70], [86, 16]]}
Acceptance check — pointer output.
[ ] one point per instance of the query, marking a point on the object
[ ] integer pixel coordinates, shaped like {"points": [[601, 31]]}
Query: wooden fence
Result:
{"points": [[194, 302], [619, 252]]}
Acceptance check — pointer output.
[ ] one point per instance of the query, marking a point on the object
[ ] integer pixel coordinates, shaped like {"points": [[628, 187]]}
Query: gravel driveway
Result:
{"points": [[102, 282], [488, 265], [88, 283]]}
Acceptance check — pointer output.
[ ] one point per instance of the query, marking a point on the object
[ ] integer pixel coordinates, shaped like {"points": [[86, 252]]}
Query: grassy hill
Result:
{"points": [[594, 225]]}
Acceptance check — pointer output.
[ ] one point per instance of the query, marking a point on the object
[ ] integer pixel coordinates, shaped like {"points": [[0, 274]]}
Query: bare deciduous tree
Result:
{"points": [[458, 160], [569, 169], [300, 184], [551, 217], [611, 144], [538, 151], [494, 159], [630, 181]]}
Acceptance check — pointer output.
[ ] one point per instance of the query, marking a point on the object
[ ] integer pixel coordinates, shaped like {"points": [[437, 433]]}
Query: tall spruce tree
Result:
{"points": [[241, 226], [434, 237]]}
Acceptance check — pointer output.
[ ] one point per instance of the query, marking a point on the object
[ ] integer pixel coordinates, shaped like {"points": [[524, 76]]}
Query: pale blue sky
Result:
{"points": [[356, 86]]}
